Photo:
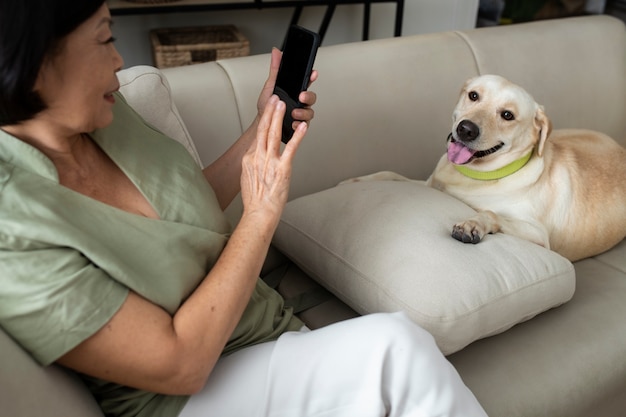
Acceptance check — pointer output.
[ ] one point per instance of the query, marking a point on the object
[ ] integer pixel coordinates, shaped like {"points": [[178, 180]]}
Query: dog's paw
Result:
{"points": [[468, 232]]}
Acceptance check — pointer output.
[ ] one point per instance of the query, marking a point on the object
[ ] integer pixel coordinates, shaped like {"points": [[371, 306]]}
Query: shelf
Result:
{"points": [[123, 7]]}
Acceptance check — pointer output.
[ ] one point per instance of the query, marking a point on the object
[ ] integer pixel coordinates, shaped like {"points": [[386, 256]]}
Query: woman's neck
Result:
{"points": [[54, 142]]}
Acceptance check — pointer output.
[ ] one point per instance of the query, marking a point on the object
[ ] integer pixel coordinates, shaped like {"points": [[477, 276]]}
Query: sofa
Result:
{"points": [[530, 333]]}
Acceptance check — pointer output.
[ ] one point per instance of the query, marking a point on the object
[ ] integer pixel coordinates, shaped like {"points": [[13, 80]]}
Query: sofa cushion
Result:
{"points": [[386, 246], [147, 90]]}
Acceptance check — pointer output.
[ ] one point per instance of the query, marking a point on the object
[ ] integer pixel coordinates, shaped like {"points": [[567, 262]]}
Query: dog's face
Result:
{"points": [[495, 122]]}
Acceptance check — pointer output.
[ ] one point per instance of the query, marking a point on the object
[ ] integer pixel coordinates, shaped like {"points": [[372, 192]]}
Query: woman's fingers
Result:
{"points": [[265, 123], [276, 128], [269, 134], [268, 86], [269, 131], [293, 144]]}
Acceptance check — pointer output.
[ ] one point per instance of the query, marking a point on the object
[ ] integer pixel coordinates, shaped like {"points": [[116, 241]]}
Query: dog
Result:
{"points": [[564, 189]]}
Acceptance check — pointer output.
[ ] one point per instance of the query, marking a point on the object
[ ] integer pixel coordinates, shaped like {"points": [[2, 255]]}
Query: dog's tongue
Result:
{"points": [[458, 153]]}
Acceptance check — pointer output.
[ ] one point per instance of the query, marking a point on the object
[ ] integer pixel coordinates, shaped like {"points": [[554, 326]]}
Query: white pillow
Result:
{"points": [[147, 91], [386, 246]]}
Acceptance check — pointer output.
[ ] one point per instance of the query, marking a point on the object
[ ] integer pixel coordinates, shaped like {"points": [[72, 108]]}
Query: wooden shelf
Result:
{"points": [[124, 7], [120, 7]]}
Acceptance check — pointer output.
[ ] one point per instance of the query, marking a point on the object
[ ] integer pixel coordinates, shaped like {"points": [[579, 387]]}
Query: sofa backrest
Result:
{"points": [[386, 104]]}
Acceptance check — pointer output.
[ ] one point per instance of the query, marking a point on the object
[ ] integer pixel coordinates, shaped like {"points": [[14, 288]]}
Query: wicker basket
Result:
{"points": [[185, 46]]}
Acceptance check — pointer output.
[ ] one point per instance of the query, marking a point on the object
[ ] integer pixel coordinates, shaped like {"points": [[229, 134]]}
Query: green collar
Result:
{"points": [[498, 173]]}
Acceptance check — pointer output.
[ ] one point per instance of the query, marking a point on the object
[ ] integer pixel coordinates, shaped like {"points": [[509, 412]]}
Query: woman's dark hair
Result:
{"points": [[30, 31]]}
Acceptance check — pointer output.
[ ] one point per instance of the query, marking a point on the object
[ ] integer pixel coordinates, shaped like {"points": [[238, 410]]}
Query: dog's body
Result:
{"points": [[563, 189]]}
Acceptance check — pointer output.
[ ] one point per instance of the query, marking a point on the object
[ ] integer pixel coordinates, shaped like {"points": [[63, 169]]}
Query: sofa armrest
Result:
{"points": [[28, 389]]}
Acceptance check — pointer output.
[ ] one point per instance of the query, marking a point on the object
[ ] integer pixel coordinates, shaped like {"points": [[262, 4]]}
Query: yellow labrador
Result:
{"points": [[563, 189]]}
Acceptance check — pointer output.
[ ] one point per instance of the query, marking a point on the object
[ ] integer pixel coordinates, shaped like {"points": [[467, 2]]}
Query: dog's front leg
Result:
{"points": [[484, 222]]}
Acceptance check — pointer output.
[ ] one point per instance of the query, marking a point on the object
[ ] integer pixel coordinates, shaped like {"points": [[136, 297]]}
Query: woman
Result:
{"points": [[116, 260]]}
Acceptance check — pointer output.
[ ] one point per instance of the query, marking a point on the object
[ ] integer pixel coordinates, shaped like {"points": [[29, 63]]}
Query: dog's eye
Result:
{"points": [[473, 95], [507, 115]]}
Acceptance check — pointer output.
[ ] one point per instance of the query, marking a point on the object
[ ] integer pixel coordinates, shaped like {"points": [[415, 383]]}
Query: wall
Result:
{"points": [[266, 28]]}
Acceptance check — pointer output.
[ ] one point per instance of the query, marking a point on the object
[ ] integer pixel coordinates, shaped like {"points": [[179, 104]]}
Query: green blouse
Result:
{"points": [[67, 261]]}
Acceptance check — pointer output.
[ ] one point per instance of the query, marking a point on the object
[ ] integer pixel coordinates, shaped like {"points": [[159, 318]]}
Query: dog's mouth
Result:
{"points": [[459, 154]]}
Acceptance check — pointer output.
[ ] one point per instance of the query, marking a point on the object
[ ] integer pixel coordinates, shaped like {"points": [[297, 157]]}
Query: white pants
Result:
{"points": [[375, 365]]}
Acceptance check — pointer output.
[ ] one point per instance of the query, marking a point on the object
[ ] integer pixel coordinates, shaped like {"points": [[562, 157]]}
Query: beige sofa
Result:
{"points": [[555, 350]]}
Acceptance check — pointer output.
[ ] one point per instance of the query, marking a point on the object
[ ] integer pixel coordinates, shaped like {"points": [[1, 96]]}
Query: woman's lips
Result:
{"points": [[110, 97]]}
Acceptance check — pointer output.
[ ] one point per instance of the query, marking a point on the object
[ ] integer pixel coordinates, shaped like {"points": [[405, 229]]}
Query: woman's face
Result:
{"points": [[77, 83]]}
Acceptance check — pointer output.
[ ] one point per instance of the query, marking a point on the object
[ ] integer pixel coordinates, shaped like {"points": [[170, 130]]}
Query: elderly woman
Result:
{"points": [[116, 260]]}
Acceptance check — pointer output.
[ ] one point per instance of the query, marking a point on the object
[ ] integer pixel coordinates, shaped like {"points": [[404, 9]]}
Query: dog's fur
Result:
{"points": [[569, 197]]}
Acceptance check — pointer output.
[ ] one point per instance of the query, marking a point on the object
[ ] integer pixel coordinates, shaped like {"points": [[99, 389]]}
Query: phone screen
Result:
{"points": [[299, 50], [297, 61]]}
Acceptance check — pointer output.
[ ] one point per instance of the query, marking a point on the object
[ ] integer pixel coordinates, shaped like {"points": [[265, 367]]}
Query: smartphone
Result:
{"points": [[299, 50]]}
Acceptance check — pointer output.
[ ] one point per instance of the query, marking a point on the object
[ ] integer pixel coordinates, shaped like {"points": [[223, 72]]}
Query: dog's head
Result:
{"points": [[495, 122]]}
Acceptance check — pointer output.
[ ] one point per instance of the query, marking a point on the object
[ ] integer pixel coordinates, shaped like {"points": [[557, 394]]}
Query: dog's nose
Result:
{"points": [[467, 131]]}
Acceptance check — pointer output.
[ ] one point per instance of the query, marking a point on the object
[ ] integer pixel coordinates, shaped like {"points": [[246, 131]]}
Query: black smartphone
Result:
{"points": [[299, 50]]}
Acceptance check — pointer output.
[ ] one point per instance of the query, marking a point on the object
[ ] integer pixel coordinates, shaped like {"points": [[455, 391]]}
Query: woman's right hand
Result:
{"points": [[224, 174], [266, 172]]}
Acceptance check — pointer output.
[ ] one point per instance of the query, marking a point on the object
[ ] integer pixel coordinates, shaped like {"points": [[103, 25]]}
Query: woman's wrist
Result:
{"points": [[264, 221]]}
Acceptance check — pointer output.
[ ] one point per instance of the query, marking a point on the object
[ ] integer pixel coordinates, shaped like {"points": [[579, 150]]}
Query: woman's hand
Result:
{"points": [[224, 173], [266, 173], [308, 98]]}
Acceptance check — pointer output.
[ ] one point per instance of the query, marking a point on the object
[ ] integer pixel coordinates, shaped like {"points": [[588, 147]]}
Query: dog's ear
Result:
{"points": [[544, 127]]}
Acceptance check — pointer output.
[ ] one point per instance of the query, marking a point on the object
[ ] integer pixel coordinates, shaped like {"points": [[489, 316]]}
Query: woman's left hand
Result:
{"points": [[308, 98]]}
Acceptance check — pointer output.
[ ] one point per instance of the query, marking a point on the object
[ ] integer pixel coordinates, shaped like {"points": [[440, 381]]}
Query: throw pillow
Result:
{"points": [[386, 246], [146, 89]]}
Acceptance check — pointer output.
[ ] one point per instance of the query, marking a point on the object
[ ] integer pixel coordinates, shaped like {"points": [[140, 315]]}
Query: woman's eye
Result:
{"points": [[507, 115], [110, 40], [473, 95]]}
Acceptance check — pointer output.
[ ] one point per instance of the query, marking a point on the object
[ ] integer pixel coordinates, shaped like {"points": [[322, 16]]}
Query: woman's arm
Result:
{"points": [[224, 173], [142, 346]]}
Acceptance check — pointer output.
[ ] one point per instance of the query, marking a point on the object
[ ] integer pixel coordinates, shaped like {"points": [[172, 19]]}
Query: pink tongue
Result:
{"points": [[459, 154]]}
